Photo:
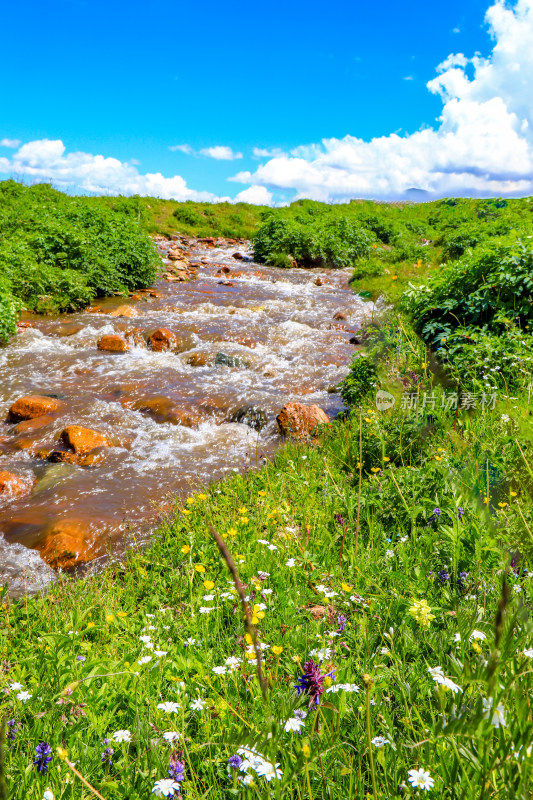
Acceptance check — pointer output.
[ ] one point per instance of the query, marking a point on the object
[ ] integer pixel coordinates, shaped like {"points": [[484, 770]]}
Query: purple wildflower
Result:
{"points": [[443, 576], [460, 512], [434, 517], [341, 622], [299, 714], [235, 761], [107, 755], [461, 581], [80, 658], [44, 756], [339, 519], [176, 770], [12, 728], [312, 682]]}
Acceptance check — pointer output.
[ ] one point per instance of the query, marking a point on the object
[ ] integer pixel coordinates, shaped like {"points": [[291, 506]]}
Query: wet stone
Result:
{"points": [[32, 406], [252, 416]]}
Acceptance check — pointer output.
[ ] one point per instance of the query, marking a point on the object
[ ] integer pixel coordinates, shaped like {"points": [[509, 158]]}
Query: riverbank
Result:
{"points": [[392, 553]]}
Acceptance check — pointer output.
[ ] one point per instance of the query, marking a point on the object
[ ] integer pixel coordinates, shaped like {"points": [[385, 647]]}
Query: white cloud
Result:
{"points": [[183, 148], [256, 195], [12, 143], [483, 144], [220, 153], [47, 160]]}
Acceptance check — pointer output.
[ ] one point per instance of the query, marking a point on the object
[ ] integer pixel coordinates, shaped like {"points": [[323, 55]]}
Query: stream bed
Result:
{"points": [[249, 338]]}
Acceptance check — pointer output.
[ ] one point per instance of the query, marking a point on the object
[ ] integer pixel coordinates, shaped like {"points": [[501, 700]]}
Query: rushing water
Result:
{"points": [[278, 323]]}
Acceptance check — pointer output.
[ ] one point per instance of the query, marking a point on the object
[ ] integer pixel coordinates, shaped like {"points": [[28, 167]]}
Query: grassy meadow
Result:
{"points": [[386, 566]]}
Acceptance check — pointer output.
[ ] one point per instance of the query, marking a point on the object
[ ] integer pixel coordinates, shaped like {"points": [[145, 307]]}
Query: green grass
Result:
{"points": [[352, 532]]}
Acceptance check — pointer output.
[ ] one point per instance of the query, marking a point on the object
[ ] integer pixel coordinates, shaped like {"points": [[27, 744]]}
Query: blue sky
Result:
{"points": [[128, 81]]}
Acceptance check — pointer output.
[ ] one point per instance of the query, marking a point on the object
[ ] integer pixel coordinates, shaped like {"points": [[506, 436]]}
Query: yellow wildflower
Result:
{"points": [[261, 493], [248, 638], [255, 619], [242, 510], [199, 568], [201, 496], [277, 650], [375, 469], [306, 750], [187, 511], [502, 505], [90, 624], [109, 617], [513, 494], [190, 500], [233, 532], [244, 520], [367, 419], [386, 458], [476, 647], [121, 614], [346, 587], [209, 584], [185, 549], [422, 613]]}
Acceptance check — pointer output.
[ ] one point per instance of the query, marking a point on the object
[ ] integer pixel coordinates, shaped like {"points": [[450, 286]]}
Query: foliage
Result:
{"points": [[57, 252], [361, 378], [324, 240]]}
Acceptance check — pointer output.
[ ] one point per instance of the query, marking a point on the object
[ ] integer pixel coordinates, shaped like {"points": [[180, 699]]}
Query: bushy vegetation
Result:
{"points": [[58, 253]]}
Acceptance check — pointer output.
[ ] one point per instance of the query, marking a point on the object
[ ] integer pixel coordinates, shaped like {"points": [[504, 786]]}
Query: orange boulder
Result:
{"points": [[113, 343], [83, 440], [297, 419], [12, 485], [67, 543], [30, 425], [163, 339], [124, 311], [32, 406]]}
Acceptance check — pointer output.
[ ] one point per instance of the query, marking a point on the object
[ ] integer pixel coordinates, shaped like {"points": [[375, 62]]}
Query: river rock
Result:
{"points": [[163, 409], [197, 359], [32, 406], [223, 360], [112, 343], [83, 440], [12, 485], [125, 311], [252, 416], [67, 543], [163, 339], [339, 315], [67, 457], [30, 425], [238, 256], [297, 419]]}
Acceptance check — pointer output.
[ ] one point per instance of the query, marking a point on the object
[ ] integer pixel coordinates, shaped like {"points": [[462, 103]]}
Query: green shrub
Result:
{"points": [[57, 252], [361, 379]]}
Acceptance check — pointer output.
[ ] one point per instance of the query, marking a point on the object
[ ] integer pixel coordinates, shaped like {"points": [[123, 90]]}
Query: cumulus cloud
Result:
{"points": [[47, 160], [256, 195], [220, 153], [482, 146], [11, 143]]}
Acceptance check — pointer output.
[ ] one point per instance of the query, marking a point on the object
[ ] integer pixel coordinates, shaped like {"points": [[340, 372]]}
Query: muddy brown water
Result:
{"points": [[280, 326]]}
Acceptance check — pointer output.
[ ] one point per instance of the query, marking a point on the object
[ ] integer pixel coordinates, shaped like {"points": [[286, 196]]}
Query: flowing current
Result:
{"points": [[252, 336]]}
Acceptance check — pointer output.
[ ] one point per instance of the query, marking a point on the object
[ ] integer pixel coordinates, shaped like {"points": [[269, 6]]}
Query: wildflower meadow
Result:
{"points": [[362, 631]]}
